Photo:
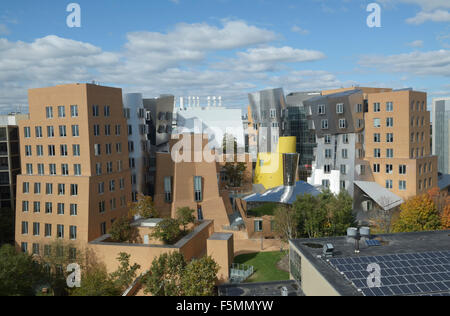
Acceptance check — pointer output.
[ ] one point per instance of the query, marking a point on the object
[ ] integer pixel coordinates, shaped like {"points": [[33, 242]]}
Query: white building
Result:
{"points": [[212, 119]]}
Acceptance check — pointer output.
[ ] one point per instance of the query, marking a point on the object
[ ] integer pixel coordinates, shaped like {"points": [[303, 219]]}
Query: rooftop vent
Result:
{"points": [[328, 250], [355, 235]]}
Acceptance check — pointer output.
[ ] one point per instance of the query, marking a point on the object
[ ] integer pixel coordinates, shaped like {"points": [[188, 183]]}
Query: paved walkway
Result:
{"points": [[243, 246]]}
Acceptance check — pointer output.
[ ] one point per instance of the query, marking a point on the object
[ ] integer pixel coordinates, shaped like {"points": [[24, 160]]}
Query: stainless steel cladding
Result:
{"points": [[290, 168]]}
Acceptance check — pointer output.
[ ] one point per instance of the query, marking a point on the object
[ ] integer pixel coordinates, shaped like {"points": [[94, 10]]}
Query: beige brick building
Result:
{"points": [[75, 177]]}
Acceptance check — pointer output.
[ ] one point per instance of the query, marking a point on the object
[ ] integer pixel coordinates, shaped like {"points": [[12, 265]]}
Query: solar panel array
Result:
{"points": [[416, 274]]}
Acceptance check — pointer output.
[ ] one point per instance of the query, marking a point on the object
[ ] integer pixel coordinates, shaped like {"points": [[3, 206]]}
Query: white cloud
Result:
{"points": [[417, 63], [299, 30], [434, 16], [4, 30], [153, 63], [416, 44]]}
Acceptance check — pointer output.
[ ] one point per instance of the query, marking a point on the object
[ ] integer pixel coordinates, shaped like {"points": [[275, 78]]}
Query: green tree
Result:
{"points": [[286, 223], [20, 275], [418, 214], [126, 273], [122, 231], [235, 172], [185, 216], [199, 277], [144, 207], [6, 226], [97, 282], [164, 277], [340, 214], [168, 231], [311, 216]]}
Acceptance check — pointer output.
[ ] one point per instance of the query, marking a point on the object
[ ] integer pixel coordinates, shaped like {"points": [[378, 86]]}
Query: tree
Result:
{"points": [[235, 173], [446, 217], [199, 277], [122, 231], [125, 274], [185, 216], [170, 275], [286, 223], [164, 277], [6, 226], [144, 207], [311, 216], [418, 214], [97, 282], [382, 218], [167, 231], [340, 214], [20, 275]]}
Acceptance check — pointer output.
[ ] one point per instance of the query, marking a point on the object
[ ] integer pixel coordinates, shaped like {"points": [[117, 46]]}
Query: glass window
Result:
{"points": [[61, 111], [198, 189], [49, 112], [74, 110]]}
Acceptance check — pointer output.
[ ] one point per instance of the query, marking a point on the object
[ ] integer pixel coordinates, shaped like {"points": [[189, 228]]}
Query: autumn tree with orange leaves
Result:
{"points": [[418, 214]]}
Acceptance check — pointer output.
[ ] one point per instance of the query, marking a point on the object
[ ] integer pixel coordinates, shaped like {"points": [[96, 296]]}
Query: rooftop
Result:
{"points": [[221, 236], [444, 181], [411, 263], [382, 196]]}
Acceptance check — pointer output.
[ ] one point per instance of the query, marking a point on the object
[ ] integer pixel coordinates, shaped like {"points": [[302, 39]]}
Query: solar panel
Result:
{"points": [[425, 273], [373, 243]]}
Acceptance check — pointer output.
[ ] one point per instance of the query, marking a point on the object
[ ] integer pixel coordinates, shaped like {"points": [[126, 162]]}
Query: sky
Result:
{"points": [[223, 48]]}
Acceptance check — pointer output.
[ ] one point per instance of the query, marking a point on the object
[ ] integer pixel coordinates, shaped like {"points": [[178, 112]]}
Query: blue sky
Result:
{"points": [[223, 47]]}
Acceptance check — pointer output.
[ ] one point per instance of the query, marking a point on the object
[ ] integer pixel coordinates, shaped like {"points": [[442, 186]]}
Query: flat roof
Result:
{"points": [[411, 263], [220, 236]]}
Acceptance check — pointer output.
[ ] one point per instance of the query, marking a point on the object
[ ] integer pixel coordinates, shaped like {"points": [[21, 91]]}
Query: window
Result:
{"points": [[61, 189], [60, 208], [343, 169], [390, 122], [377, 123], [50, 132], [52, 168], [48, 207], [326, 183], [389, 184], [107, 111], [75, 130], [390, 153], [328, 153], [342, 123], [26, 187], [73, 209], [73, 232], [402, 169], [273, 113], [49, 112], [95, 110], [112, 186], [51, 150], [24, 228], [108, 149], [389, 169], [122, 183], [98, 168], [28, 151], [363, 170], [402, 185], [101, 188], [103, 228], [107, 130], [60, 231], [63, 150], [377, 138], [74, 189], [130, 130], [321, 109], [61, 111], [198, 189], [376, 168], [27, 132], [345, 138], [36, 229], [340, 108], [130, 146], [377, 107], [97, 149], [343, 184], [64, 169], [389, 107], [76, 150], [327, 139], [37, 207], [389, 137], [39, 132], [327, 169], [74, 110], [168, 189], [77, 169], [40, 150], [258, 226], [37, 188], [377, 153], [25, 206], [62, 131], [344, 153], [29, 167], [36, 249], [359, 108], [119, 166], [119, 148], [49, 188], [118, 127], [360, 123], [109, 167], [48, 230]]}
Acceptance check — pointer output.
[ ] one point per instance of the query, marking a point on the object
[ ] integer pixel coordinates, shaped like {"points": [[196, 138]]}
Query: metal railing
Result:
{"points": [[240, 272]]}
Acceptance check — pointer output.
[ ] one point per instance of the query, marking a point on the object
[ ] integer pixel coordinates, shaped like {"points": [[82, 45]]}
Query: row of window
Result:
{"points": [[389, 138], [61, 189], [52, 170], [49, 208], [389, 122], [61, 111], [418, 106], [47, 253], [63, 150], [51, 131], [48, 230], [390, 169], [198, 189], [107, 130], [418, 152], [111, 186], [389, 107], [112, 204], [419, 122], [342, 124], [389, 153]]}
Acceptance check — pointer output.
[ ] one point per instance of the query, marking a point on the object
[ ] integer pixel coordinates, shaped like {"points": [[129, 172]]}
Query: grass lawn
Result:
{"points": [[265, 265]]}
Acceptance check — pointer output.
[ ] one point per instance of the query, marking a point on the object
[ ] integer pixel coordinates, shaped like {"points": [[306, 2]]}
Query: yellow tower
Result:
{"points": [[269, 166]]}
